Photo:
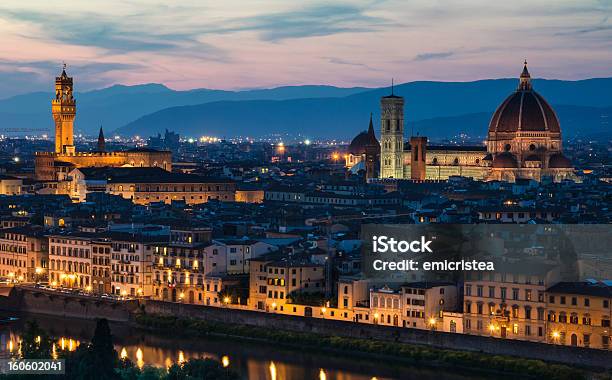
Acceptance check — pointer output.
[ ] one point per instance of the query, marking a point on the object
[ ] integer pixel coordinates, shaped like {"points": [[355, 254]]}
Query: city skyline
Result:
{"points": [[232, 46]]}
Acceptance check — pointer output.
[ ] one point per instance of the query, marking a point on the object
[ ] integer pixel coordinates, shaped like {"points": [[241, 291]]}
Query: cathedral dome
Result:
{"points": [[559, 161], [363, 140], [524, 110], [505, 160]]}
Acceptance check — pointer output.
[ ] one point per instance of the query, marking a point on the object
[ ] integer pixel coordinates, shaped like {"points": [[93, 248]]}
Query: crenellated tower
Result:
{"points": [[63, 108], [392, 136]]}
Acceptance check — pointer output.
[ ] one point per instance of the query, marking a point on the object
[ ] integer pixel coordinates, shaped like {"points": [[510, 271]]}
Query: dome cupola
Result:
{"points": [[363, 140], [524, 110]]}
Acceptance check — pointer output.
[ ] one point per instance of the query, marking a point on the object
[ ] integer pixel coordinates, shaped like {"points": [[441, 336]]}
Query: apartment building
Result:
{"points": [[179, 272], [418, 305], [274, 277], [510, 302], [579, 314], [354, 295], [132, 263], [70, 260], [24, 254]]}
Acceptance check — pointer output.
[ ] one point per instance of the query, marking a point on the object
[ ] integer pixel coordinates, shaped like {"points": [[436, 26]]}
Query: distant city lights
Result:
{"points": [[208, 139]]}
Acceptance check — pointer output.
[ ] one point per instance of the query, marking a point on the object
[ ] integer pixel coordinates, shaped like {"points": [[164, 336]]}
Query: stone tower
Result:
{"points": [[63, 108], [392, 136], [101, 141], [418, 154]]}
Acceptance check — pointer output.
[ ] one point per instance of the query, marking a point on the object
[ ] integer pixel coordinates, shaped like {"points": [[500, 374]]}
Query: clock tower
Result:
{"points": [[63, 108]]}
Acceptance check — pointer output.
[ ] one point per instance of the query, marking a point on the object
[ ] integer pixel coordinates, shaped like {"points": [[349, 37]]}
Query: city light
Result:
{"points": [[225, 361], [226, 300], [432, 321], [123, 353], [38, 270], [306, 142]]}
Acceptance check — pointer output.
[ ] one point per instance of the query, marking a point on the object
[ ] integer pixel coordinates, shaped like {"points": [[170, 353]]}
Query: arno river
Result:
{"points": [[252, 360]]}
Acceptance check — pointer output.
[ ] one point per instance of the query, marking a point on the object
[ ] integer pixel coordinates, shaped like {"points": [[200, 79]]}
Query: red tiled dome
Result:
{"points": [[362, 140], [524, 110]]}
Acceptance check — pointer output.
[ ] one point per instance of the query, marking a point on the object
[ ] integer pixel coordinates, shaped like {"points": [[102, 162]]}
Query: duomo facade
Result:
{"points": [[523, 142], [54, 166]]}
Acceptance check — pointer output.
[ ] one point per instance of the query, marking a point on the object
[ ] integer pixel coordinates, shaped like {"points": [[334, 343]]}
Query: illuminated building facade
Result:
{"points": [[272, 280], [523, 142], [24, 254], [509, 304], [70, 263], [579, 314], [146, 185]]}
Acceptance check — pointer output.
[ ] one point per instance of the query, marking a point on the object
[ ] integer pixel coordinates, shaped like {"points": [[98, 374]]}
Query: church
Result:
{"points": [[54, 166], [523, 142]]}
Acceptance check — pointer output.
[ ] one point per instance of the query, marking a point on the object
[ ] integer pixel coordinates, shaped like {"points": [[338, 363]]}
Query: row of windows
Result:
{"points": [[276, 294], [70, 252], [9, 248], [504, 277], [574, 319], [574, 301], [13, 262], [14, 237], [503, 293], [514, 328], [492, 310], [100, 249], [69, 266]]}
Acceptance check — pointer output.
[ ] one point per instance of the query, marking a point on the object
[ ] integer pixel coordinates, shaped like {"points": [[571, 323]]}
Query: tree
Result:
{"points": [[35, 343], [96, 361], [202, 369]]}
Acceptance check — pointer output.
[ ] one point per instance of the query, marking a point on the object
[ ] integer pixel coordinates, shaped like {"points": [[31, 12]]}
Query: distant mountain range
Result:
{"points": [[435, 109]]}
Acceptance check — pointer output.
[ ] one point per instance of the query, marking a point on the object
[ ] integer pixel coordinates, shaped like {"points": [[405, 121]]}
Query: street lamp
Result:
{"points": [[432, 323]]}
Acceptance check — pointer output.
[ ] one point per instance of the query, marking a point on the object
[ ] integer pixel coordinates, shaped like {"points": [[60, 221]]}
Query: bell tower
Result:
{"points": [[392, 136], [63, 108]]}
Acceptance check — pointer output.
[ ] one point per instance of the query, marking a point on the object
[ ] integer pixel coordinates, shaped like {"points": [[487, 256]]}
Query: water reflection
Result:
{"points": [[251, 360], [272, 371]]}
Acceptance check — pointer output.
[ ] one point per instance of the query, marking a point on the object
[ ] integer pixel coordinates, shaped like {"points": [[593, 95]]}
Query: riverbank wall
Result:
{"points": [[67, 305], [75, 306], [576, 356]]}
